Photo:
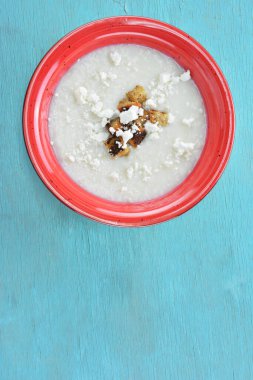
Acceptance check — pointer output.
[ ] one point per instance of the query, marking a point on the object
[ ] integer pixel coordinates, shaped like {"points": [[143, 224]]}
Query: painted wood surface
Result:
{"points": [[80, 300]]}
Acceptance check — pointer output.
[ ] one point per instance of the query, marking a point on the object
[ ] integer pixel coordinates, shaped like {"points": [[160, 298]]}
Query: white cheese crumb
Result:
{"points": [[81, 95], [130, 172], [99, 137], [81, 146], [112, 76], [161, 99], [183, 149], [188, 121], [103, 122], [112, 130], [97, 107], [126, 136], [93, 97], [115, 58], [106, 77], [119, 144], [69, 157], [124, 189], [146, 169], [141, 112], [154, 136], [150, 103], [129, 115], [56, 94], [95, 163], [108, 113], [103, 75], [165, 77], [114, 176], [171, 118], [135, 128], [175, 79], [51, 143], [151, 127], [185, 76]]}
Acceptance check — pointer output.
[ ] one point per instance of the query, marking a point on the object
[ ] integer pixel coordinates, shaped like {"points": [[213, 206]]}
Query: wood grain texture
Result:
{"points": [[79, 300]]}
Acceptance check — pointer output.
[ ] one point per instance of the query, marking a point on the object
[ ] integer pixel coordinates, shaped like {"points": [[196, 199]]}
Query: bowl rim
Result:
{"points": [[155, 219]]}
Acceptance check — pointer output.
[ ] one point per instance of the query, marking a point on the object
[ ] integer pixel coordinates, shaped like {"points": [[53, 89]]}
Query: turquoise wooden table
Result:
{"points": [[80, 300]]}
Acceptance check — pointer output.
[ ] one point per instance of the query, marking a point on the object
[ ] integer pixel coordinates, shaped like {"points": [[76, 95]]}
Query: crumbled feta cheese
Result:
{"points": [[188, 121], [161, 99], [126, 136], [141, 111], [129, 115], [124, 189], [130, 172], [135, 128], [51, 143], [97, 107], [154, 136], [93, 97], [99, 137], [146, 169], [175, 79], [114, 176], [165, 77], [183, 149], [171, 118], [151, 127], [185, 76], [108, 113], [112, 130], [104, 122], [95, 163], [115, 58], [69, 157], [150, 103], [81, 146], [81, 95], [119, 144], [112, 76], [103, 75]]}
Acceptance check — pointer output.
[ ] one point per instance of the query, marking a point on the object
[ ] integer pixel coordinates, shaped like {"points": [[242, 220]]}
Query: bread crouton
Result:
{"points": [[158, 117], [114, 123], [124, 104], [114, 146], [138, 94], [142, 119], [138, 137]]}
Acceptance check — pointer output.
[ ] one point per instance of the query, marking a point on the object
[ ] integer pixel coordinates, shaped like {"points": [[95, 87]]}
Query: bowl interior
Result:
{"points": [[190, 55]]}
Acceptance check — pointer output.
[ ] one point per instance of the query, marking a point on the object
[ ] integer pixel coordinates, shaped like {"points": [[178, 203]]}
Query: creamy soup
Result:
{"points": [[86, 100]]}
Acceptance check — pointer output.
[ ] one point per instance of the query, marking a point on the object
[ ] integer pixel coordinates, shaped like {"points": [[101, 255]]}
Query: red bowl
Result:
{"points": [[190, 55]]}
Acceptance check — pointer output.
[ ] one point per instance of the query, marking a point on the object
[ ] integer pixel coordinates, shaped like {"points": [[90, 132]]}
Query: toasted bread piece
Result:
{"points": [[138, 137], [158, 117], [142, 119], [124, 104], [114, 149], [138, 94], [114, 123]]}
